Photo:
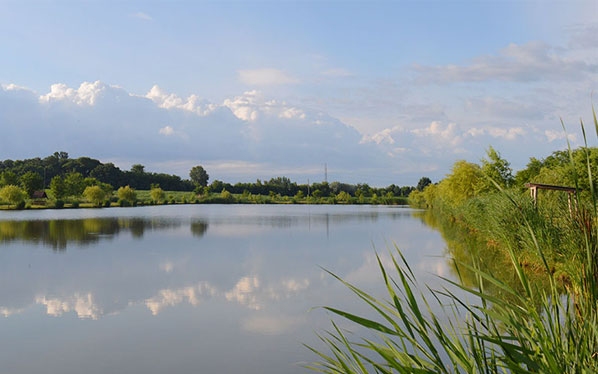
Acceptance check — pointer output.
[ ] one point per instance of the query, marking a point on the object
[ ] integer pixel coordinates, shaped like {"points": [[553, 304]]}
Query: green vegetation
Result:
{"points": [[13, 195], [95, 195], [68, 183], [530, 282], [126, 196]]}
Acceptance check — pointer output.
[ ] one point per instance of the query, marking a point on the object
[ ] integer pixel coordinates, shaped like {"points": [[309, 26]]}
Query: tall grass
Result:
{"points": [[522, 326]]}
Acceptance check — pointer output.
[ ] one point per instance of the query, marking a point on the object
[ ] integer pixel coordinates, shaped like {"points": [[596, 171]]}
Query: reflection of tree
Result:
{"points": [[470, 250], [137, 227], [59, 233], [199, 228]]}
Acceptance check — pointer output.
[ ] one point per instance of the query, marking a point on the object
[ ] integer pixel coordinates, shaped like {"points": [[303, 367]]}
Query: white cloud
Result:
{"points": [[171, 101], [552, 135], [265, 77], [252, 136], [166, 130], [447, 134], [87, 93], [143, 16], [528, 62]]}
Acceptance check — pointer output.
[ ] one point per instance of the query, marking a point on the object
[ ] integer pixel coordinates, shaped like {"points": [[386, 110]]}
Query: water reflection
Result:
{"points": [[58, 234], [245, 288]]}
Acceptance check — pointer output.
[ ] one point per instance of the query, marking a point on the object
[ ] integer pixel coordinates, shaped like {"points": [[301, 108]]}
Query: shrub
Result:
{"points": [[127, 194], [13, 195]]}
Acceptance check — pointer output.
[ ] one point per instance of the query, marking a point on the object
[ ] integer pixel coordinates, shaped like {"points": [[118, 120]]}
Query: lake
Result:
{"points": [[191, 288]]}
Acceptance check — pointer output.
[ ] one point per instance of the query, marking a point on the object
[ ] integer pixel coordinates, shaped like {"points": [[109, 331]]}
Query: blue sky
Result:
{"points": [[381, 92]]}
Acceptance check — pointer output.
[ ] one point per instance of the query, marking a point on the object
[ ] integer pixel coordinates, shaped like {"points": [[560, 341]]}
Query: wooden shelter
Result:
{"points": [[571, 193]]}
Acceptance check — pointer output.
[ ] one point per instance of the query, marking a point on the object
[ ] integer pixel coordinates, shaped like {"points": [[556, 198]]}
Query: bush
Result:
{"points": [[59, 204], [127, 194]]}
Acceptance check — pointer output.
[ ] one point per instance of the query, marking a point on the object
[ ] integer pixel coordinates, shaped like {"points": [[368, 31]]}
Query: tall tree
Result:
{"points": [[199, 176], [497, 169], [423, 183], [31, 182]]}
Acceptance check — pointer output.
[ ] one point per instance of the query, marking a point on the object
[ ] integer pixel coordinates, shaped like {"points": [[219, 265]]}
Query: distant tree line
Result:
{"points": [[283, 186]]}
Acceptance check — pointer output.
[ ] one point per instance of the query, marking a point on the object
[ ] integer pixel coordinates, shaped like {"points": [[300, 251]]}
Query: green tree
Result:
{"points": [[225, 195], [496, 169], [31, 182], [138, 169], [343, 197], [462, 183], [199, 176], [12, 194], [58, 187], [423, 183], [527, 175], [108, 173], [74, 184], [127, 194], [95, 195], [8, 178]]}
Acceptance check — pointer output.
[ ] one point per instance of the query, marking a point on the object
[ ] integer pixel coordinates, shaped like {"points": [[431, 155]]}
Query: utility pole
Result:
{"points": [[326, 173]]}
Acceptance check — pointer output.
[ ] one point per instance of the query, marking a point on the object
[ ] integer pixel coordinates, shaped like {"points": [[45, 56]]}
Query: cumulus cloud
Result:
{"points": [[251, 136], [87, 93], [265, 77], [171, 101]]}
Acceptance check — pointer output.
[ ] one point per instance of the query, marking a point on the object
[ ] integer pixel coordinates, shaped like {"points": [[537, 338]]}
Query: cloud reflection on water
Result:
{"points": [[196, 271]]}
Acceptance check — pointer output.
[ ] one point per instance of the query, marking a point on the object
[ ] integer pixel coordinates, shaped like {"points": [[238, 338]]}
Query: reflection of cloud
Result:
{"points": [[271, 325], [244, 292], [82, 305], [437, 266], [167, 267], [369, 271], [168, 297]]}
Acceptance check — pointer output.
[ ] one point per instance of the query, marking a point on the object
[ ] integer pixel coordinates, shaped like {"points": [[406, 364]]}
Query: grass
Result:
{"points": [[185, 197], [516, 326]]}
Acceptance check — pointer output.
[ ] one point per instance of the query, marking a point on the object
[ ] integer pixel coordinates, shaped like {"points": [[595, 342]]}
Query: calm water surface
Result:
{"points": [[192, 288]]}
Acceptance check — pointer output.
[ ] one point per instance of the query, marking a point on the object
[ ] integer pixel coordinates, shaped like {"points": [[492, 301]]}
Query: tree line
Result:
{"points": [[37, 173]]}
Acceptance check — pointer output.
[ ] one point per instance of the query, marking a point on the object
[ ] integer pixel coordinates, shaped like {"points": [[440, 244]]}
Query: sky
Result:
{"points": [[377, 92]]}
